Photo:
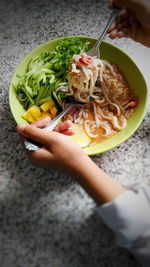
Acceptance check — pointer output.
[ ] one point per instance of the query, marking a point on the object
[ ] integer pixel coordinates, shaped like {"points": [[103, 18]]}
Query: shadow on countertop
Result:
{"points": [[44, 220], [31, 238]]}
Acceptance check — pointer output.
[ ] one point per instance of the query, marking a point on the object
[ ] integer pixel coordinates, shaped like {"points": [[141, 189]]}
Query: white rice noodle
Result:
{"points": [[101, 70], [87, 72], [97, 89], [100, 111], [76, 57], [112, 80], [128, 105], [119, 85], [106, 76], [77, 120], [105, 90], [74, 68], [84, 77], [93, 126], [87, 127], [79, 98], [106, 63], [118, 91], [95, 115], [127, 113], [71, 92], [124, 103], [106, 128], [85, 115], [92, 83], [116, 123], [100, 100], [95, 96], [95, 74], [76, 116], [117, 108]]}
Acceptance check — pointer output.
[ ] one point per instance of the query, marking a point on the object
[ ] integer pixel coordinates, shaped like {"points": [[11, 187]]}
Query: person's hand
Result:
{"points": [[133, 21], [58, 151]]}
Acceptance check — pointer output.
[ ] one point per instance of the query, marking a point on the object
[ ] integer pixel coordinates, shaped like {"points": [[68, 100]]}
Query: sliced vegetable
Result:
{"points": [[56, 97], [47, 106], [133, 103], [46, 72], [86, 60], [32, 114], [36, 113], [53, 111]]}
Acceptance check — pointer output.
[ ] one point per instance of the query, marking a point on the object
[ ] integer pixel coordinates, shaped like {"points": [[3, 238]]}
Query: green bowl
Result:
{"points": [[114, 55]]}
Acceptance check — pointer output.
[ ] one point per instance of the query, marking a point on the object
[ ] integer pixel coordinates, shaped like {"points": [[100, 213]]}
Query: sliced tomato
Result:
{"points": [[115, 111], [86, 60], [133, 103]]}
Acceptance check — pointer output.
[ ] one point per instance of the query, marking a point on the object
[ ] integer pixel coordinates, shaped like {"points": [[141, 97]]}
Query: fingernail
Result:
{"points": [[20, 128], [47, 118]]}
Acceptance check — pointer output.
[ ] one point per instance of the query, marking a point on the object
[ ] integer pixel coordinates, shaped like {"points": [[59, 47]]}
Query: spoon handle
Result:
{"points": [[94, 51], [33, 145], [113, 15], [53, 123]]}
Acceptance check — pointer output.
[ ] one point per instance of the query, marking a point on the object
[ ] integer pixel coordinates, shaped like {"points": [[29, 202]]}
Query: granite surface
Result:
{"points": [[46, 219]]}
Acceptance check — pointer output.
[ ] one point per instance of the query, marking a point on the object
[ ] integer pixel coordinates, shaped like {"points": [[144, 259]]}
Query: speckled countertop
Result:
{"points": [[46, 219]]}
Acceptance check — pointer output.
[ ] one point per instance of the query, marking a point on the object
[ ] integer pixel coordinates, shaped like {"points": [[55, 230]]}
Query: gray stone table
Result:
{"points": [[46, 219]]}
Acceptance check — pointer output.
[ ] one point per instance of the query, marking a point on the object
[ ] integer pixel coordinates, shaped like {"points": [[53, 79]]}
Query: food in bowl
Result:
{"points": [[53, 76], [113, 99]]}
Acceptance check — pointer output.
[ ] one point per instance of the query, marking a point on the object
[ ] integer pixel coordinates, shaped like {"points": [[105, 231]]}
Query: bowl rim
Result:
{"points": [[127, 136]]}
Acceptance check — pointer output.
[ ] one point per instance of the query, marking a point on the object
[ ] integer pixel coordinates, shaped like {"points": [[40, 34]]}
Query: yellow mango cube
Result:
{"points": [[47, 106], [35, 111], [45, 114], [32, 114], [53, 111], [28, 117]]}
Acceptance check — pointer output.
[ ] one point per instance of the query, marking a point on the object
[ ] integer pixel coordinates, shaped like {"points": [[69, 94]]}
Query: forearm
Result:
{"points": [[99, 185]]}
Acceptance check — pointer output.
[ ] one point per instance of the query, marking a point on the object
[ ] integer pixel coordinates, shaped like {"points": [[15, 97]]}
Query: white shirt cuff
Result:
{"points": [[128, 215]]}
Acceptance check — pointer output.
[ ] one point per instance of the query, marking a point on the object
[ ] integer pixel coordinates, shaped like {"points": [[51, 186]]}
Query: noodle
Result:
{"points": [[101, 80]]}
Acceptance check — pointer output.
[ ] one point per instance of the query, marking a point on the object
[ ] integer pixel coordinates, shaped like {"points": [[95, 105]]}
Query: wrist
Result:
{"points": [[79, 164], [99, 185]]}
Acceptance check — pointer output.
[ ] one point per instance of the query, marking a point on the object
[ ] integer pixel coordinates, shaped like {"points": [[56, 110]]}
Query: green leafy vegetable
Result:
{"points": [[46, 72]]}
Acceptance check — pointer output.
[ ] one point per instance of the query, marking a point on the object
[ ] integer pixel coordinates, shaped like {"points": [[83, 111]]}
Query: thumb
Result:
{"points": [[35, 133]]}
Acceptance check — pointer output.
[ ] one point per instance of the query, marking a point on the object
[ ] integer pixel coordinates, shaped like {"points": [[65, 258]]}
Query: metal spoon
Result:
{"points": [[94, 51]]}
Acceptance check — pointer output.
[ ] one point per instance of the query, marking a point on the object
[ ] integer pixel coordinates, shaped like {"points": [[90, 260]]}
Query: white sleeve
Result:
{"points": [[129, 217]]}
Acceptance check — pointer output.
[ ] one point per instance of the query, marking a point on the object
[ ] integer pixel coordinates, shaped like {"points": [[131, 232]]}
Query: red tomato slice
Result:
{"points": [[133, 103], [86, 60]]}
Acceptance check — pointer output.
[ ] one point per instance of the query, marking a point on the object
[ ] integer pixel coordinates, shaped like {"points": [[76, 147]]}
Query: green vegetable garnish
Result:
{"points": [[46, 72]]}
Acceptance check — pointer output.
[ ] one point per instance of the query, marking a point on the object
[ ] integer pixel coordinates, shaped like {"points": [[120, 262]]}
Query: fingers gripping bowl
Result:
{"points": [[110, 53]]}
